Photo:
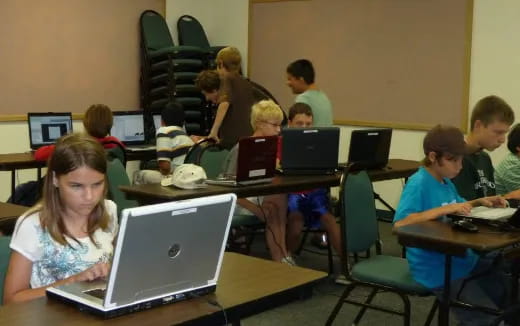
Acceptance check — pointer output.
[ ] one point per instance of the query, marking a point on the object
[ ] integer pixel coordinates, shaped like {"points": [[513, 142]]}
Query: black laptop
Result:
{"points": [[128, 127], [310, 150], [369, 148], [45, 128]]}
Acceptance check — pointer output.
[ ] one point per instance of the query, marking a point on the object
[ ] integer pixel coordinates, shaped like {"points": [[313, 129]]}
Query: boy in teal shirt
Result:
{"points": [[300, 78]]}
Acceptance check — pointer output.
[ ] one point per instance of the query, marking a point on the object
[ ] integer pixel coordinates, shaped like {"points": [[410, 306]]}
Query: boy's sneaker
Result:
{"points": [[341, 279], [289, 261]]}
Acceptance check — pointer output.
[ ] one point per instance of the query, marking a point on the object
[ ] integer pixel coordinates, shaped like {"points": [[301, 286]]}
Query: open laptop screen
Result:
{"points": [[128, 127], [45, 128], [369, 149]]}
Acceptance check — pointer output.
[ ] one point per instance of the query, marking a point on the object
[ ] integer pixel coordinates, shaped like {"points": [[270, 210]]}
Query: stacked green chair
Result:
{"points": [[359, 231], [192, 33], [5, 253], [168, 72]]}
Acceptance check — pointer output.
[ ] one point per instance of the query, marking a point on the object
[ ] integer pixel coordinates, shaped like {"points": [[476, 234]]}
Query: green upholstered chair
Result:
{"points": [[116, 175], [158, 42], [192, 33], [5, 253], [359, 231]]}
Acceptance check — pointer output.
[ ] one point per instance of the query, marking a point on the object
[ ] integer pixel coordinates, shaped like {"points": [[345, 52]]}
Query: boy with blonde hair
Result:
{"points": [[266, 118]]}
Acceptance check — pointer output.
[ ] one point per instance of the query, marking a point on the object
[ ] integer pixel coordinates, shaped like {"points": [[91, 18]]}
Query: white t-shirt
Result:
{"points": [[51, 260]]}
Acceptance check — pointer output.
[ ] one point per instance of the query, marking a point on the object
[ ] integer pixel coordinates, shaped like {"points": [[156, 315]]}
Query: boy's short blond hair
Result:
{"points": [[229, 58], [265, 110]]}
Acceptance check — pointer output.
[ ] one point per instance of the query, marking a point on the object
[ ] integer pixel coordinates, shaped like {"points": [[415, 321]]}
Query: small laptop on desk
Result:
{"points": [[128, 127], [310, 150], [162, 255], [46, 128], [256, 162], [507, 216]]}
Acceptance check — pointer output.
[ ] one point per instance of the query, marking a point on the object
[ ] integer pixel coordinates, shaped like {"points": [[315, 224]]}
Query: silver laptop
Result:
{"points": [[489, 213], [128, 127], [164, 253], [46, 128]]}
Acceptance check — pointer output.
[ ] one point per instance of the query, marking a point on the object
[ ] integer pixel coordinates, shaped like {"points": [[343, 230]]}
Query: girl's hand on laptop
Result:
{"points": [[99, 270], [493, 201]]}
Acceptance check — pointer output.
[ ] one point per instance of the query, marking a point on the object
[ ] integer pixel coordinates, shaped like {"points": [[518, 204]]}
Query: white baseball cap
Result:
{"points": [[187, 176]]}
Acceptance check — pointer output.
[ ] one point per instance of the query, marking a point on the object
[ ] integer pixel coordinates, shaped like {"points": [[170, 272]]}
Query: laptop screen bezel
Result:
{"points": [[300, 150], [249, 150], [130, 113], [31, 115], [381, 151]]}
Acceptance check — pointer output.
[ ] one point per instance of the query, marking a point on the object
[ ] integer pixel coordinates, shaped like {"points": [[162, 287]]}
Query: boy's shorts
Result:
{"points": [[312, 205]]}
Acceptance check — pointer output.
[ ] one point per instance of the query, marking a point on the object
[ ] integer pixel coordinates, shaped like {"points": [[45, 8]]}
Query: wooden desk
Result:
{"points": [[246, 286], [8, 215], [440, 236], [19, 161], [155, 193]]}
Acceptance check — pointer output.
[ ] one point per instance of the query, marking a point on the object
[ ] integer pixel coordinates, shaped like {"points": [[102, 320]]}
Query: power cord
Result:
{"points": [[212, 302], [269, 227]]}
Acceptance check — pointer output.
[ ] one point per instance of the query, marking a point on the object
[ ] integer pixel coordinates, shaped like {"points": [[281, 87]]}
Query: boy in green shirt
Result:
{"points": [[490, 121]]}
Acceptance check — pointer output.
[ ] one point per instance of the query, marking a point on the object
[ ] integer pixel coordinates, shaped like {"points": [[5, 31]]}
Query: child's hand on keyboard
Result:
{"points": [[493, 201]]}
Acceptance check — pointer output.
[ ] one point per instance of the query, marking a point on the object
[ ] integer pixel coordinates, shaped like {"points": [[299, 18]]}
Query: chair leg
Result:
{"points": [[329, 253], [364, 309], [406, 313], [341, 300], [433, 309]]}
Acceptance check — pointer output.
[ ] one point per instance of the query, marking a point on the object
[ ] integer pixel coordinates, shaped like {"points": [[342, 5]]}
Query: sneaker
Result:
{"points": [[289, 261], [341, 279], [319, 240]]}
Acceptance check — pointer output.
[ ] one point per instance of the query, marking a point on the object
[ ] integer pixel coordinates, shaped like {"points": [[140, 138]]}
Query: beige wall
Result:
{"points": [[495, 69]]}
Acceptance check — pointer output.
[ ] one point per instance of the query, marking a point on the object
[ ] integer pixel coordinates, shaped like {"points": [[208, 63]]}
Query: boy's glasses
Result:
{"points": [[276, 125]]}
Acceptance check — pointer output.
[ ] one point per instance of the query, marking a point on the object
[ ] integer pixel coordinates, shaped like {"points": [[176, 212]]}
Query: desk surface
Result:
{"points": [[8, 215], [440, 236], [247, 286], [154, 193], [14, 161]]}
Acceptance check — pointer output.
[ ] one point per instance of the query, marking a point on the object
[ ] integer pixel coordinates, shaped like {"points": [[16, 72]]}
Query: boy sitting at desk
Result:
{"points": [[266, 119], [429, 194], [312, 206], [490, 122], [172, 144]]}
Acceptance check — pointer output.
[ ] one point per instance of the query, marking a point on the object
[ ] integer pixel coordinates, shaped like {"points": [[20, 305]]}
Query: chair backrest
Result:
{"points": [[358, 212], [194, 154], [208, 155], [154, 31], [5, 253], [116, 174], [212, 160], [191, 32], [115, 153]]}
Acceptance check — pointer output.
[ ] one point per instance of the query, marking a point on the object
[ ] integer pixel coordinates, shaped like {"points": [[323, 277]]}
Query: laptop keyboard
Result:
{"points": [[492, 213], [98, 293]]}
